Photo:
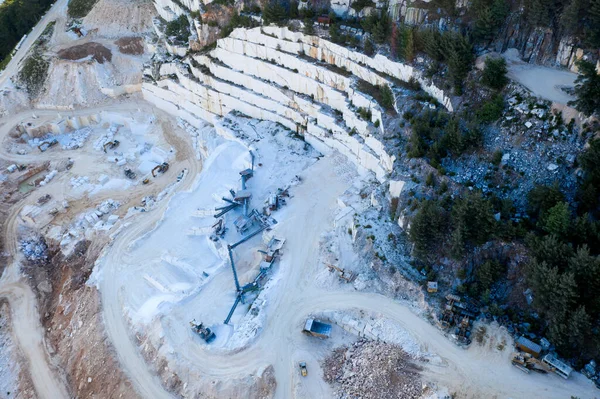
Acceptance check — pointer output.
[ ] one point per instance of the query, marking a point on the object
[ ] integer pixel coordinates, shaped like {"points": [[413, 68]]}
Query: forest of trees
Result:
{"points": [[17, 17], [563, 241]]}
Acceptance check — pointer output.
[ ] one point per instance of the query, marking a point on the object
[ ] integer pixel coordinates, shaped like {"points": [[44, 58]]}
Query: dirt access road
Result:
{"points": [[28, 331], [473, 373]]}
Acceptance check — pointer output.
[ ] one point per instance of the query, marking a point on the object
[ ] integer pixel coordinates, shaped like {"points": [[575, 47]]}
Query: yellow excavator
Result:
{"points": [[162, 168], [527, 363]]}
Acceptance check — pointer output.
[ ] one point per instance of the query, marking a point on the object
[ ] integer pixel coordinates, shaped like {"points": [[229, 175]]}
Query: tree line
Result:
{"points": [[17, 17]]}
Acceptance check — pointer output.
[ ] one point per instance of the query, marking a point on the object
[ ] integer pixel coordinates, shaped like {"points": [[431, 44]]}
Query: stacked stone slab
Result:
{"points": [[272, 74]]}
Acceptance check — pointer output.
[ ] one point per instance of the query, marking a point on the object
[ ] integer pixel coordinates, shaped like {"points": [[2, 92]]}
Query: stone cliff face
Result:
{"points": [[535, 45], [540, 46], [274, 74]]}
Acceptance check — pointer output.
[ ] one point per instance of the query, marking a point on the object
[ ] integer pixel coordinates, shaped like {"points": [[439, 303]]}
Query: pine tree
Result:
{"points": [[554, 292], [369, 47], [539, 12], [387, 97], [454, 138], [394, 40], [382, 29], [551, 250], [309, 27], [432, 39], [586, 269], [594, 23], [587, 85], [557, 220], [494, 73], [274, 12], [457, 242], [459, 57], [408, 44], [475, 215], [570, 17], [428, 227], [541, 198]]}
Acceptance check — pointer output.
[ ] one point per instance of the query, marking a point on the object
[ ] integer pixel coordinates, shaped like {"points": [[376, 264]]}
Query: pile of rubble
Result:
{"points": [[34, 248], [534, 145], [372, 369]]}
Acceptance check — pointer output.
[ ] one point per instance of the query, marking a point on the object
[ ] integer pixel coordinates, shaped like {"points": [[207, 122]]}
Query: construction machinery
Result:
{"points": [[527, 363], [345, 275], [110, 145], [44, 199], [162, 168], [526, 345], [130, 174], [204, 332], [303, 369], [219, 230], [146, 181], [463, 331], [47, 144], [317, 328]]}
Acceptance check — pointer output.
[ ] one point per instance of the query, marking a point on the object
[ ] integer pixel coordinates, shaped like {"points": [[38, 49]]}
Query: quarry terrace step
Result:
{"points": [[276, 85]]}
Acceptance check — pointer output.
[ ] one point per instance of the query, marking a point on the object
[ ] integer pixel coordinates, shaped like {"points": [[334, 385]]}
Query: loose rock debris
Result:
{"points": [[372, 369], [97, 52]]}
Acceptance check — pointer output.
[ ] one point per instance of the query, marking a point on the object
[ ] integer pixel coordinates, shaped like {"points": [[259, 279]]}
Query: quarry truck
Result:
{"points": [[204, 332], [317, 328]]}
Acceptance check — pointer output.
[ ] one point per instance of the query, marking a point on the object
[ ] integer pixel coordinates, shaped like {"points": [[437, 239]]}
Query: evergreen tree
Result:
{"points": [[369, 47], [488, 16], [309, 27], [432, 43], [335, 34], [550, 250], [586, 270], [539, 12], [587, 87], [475, 215], [593, 26], [541, 198], [387, 97], [406, 47], [274, 12], [459, 57], [557, 220], [454, 137], [487, 274], [554, 292], [494, 73], [586, 231], [571, 16], [382, 29], [428, 227], [457, 241]]}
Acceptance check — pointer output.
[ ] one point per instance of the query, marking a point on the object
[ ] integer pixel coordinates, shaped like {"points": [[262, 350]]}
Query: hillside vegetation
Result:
{"points": [[17, 17]]}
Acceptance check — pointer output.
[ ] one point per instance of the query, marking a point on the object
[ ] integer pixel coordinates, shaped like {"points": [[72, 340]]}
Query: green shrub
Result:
{"points": [[497, 157], [178, 29], [33, 74], [491, 110], [365, 113], [80, 8]]}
